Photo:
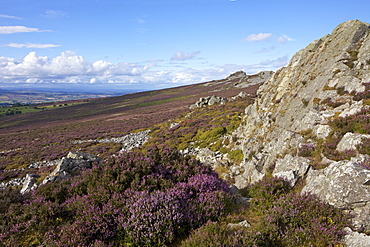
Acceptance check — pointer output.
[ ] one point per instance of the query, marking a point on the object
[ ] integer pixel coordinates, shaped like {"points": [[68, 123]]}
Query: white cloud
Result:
{"points": [[266, 50], [69, 67], [276, 63], [54, 14], [19, 29], [10, 17], [30, 45], [258, 37], [182, 56], [284, 39]]}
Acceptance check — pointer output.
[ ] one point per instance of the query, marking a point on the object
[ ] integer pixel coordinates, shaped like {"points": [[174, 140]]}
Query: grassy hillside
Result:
{"points": [[154, 196], [47, 133]]}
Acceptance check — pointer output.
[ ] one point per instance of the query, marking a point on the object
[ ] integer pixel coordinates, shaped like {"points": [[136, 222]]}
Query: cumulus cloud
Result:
{"points": [[68, 67], [19, 29], [182, 56], [30, 45], [10, 17], [258, 37], [284, 39]]}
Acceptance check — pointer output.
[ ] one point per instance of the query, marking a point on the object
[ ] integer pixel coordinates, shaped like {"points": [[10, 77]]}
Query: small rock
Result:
{"points": [[29, 183], [240, 224]]}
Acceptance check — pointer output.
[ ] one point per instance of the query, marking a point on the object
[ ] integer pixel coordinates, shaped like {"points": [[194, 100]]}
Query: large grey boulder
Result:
{"points": [[343, 184], [291, 168], [67, 166], [350, 141]]}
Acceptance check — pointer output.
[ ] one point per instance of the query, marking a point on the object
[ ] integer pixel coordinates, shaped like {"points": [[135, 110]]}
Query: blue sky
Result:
{"points": [[149, 44]]}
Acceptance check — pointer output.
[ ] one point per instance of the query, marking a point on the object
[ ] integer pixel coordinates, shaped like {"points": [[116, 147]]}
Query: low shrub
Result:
{"points": [[265, 192], [236, 155], [306, 150], [303, 220], [132, 199], [215, 234]]}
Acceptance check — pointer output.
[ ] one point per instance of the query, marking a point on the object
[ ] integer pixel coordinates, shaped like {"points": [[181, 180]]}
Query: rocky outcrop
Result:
{"points": [[75, 161], [295, 99], [344, 184], [241, 79], [129, 142], [295, 107], [208, 101]]}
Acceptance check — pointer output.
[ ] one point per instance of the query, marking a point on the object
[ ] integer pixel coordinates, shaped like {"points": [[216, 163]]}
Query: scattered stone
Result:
{"points": [[208, 101], [129, 142], [134, 140], [205, 155], [240, 224], [29, 183], [13, 183], [39, 164]]}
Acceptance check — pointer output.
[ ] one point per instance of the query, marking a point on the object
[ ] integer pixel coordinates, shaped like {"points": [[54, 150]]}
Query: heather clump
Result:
{"points": [[278, 216], [363, 95], [132, 199], [303, 220], [265, 192]]}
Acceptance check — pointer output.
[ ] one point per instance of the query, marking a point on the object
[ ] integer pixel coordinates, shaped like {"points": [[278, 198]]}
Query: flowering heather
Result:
{"points": [[285, 219], [266, 191], [132, 199], [365, 94], [306, 149], [303, 220]]}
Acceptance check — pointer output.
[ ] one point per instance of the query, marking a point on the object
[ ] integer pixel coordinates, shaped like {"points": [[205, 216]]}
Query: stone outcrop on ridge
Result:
{"points": [[287, 103], [291, 103]]}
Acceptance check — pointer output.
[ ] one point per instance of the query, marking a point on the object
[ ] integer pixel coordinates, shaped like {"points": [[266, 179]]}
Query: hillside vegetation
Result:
{"points": [[285, 163]]}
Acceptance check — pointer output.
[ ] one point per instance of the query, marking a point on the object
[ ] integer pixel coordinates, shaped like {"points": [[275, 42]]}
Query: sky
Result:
{"points": [[154, 44]]}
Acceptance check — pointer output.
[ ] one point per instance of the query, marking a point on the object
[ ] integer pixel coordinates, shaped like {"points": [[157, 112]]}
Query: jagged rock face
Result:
{"points": [[287, 103], [344, 184], [242, 79]]}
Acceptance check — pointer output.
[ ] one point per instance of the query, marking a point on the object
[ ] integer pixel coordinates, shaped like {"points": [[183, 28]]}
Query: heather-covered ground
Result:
{"points": [[47, 134], [153, 196]]}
